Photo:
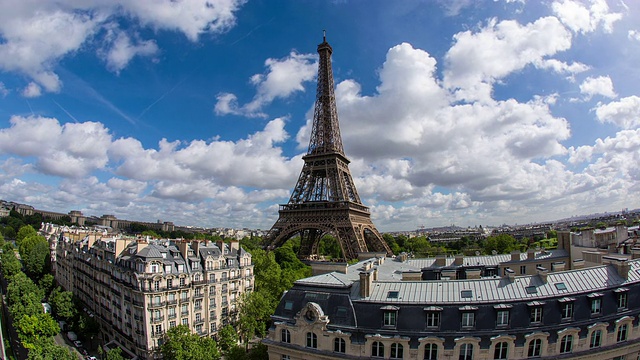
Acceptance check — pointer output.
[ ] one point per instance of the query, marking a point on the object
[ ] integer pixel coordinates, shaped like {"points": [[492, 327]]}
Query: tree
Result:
{"points": [[10, 263], [1, 239], [47, 349], [114, 354], [20, 287], [46, 284], [502, 244], [25, 232], [36, 257], [32, 328], [255, 311], [180, 344], [62, 304], [259, 352], [236, 353], [150, 233], [227, 338]]}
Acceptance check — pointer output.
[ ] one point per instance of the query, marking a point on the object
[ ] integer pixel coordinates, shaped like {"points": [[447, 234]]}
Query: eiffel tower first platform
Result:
{"points": [[325, 200]]}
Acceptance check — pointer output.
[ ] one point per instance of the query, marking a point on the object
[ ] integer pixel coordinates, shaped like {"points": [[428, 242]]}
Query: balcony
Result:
{"points": [[198, 321], [185, 313], [172, 302], [156, 319], [157, 333], [198, 295], [155, 304], [171, 316], [197, 308], [183, 300]]}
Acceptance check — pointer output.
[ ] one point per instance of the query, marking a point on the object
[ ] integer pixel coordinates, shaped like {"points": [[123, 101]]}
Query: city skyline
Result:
{"points": [[496, 112]]}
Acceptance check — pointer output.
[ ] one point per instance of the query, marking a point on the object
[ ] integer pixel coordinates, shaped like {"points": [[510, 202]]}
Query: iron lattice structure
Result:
{"points": [[325, 200]]}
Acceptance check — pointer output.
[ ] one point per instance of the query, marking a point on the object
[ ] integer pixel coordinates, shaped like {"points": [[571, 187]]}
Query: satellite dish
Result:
{"points": [[494, 252], [477, 253]]}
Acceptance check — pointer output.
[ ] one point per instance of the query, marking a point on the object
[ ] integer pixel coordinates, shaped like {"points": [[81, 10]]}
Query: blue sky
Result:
{"points": [[198, 112]]}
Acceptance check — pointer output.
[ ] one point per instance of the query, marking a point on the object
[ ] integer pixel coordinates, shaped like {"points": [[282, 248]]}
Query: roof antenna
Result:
{"points": [[324, 35]]}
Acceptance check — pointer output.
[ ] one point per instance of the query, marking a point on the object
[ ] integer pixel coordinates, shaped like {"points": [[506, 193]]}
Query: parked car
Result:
{"points": [[72, 336], [91, 358], [83, 351], [77, 343]]}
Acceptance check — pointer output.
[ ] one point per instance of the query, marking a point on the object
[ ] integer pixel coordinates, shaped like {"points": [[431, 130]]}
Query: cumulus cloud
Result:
{"points": [[68, 24], [3, 90], [32, 90], [634, 35], [477, 60], [601, 85], [282, 78], [624, 113], [585, 16]]}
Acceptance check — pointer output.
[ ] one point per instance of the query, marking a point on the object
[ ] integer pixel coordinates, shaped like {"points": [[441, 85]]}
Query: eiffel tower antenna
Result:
{"points": [[325, 200]]}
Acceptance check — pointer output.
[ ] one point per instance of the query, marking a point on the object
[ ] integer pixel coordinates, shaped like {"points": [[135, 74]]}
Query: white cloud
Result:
{"points": [[601, 85], [283, 78], [585, 16], [32, 90], [67, 25], [624, 113], [634, 35], [122, 49], [477, 60]]}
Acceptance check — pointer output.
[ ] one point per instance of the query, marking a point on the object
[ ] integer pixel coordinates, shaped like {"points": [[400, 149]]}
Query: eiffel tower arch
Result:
{"points": [[325, 200]]}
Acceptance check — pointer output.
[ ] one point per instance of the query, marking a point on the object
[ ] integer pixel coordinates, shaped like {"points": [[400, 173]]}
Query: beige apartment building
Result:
{"points": [[137, 289]]}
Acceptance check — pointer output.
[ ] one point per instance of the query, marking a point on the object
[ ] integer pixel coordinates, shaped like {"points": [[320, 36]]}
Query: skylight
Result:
{"points": [[392, 294], [561, 286], [466, 294], [531, 290]]}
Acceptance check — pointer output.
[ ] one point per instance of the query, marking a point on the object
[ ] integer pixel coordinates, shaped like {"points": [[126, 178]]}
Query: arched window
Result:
{"points": [[501, 350], [566, 344], [339, 345], [285, 336], [396, 351], [312, 340], [466, 352], [596, 339], [377, 349], [431, 352], [622, 333], [535, 348]]}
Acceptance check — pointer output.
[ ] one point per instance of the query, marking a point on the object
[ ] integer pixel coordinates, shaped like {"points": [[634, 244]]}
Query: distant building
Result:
{"points": [[137, 289]]}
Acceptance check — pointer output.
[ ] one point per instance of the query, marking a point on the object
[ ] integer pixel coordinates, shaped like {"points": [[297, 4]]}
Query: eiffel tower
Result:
{"points": [[325, 200]]}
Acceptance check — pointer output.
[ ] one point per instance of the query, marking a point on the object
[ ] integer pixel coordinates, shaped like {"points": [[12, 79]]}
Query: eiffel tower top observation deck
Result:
{"points": [[325, 199]]}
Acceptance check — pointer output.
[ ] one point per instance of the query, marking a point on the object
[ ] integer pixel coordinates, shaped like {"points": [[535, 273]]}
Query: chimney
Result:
{"points": [[635, 253], [141, 244], [531, 253], [542, 272], [234, 245], [621, 264], [515, 255], [578, 264], [459, 259], [473, 273], [365, 284], [441, 260], [509, 274], [220, 245], [195, 245], [183, 246], [121, 244]]}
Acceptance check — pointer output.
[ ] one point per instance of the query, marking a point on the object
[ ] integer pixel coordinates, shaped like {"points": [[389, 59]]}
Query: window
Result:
{"points": [[285, 357], [566, 344], [535, 348], [501, 350], [185, 321], [156, 285], [182, 281], [393, 294], [198, 317], [285, 336], [158, 329], [622, 300], [433, 319], [466, 352], [431, 352], [567, 310], [339, 345], [502, 318], [536, 314], [622, 333], [523, 270], [466, 294], [377, 349], [396, 351], [172, 324], [312, 340], [561, 286], [531, 290], [390, 318], [596, 339], [468, 319], [169, 283], [595, 306]]}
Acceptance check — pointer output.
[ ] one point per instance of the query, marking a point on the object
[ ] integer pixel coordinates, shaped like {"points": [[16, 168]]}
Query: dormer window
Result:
{"points": [[596, 303], [432, 314], [622, 298], [468, 317], [390, 315], [536, 308]]}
